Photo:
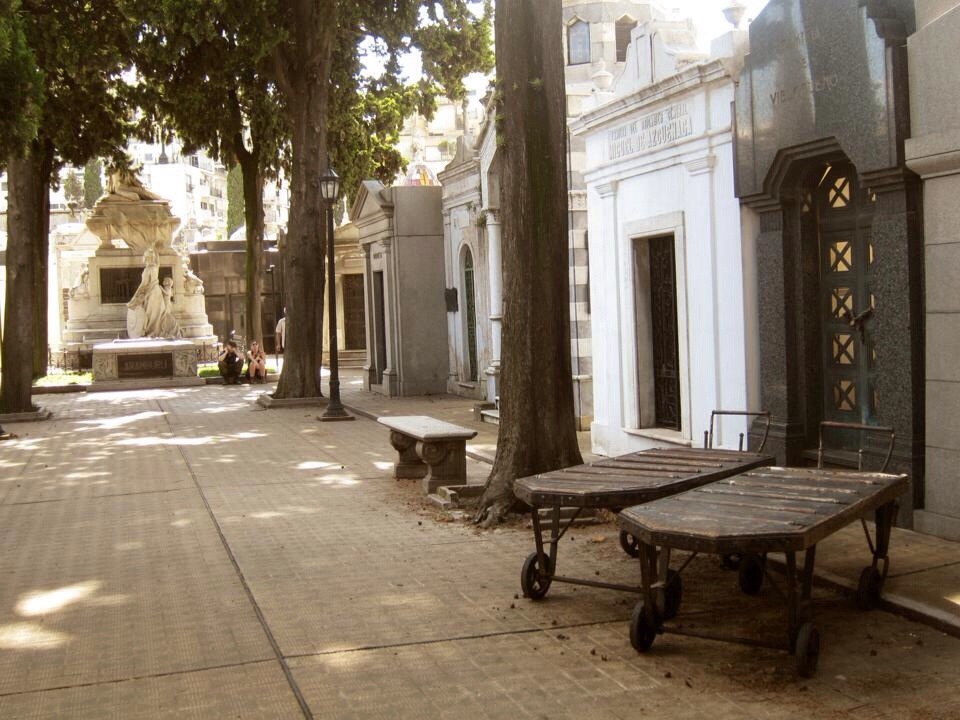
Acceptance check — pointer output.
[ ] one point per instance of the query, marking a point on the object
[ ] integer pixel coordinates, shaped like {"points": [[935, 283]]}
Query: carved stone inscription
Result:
{"points": [[819, 70], [650, 131], [145, 365]]}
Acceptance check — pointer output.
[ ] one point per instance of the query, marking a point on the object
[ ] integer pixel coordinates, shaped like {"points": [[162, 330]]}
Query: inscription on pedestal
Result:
{"points": [[131, 367]]}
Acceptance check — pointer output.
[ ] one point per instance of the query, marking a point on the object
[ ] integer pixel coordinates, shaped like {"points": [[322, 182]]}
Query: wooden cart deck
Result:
{"points": [[614, 484], [635, 478], [766, 510]]}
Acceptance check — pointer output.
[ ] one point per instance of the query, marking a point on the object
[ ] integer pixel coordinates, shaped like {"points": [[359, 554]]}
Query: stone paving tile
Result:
{"points": [[923, 569], [92, 457], [104, 589], [592, 672], [382, 609], [257, 690]]}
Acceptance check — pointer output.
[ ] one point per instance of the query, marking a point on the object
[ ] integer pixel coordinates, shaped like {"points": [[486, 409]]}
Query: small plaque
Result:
{"points": [[146, 365]]}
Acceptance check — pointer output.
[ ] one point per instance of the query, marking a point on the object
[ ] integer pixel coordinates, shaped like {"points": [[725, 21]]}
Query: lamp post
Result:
{"points": [[273, 296], [330, 192]]}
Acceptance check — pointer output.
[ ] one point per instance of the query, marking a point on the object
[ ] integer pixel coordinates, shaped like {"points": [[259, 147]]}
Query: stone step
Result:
{"points": [[490, 416], [348, 358]]}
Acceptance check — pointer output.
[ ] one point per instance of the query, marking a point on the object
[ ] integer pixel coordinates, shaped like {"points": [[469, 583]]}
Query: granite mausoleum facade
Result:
{"points": [[822, 115], [933, 152]]}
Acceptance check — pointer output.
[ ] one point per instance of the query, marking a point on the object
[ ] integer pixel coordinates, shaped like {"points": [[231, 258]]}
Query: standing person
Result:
{"points": [[256, 363], [281, 330], [230, 363]]}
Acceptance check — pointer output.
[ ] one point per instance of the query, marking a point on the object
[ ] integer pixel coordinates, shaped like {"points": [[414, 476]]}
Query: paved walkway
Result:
{"points": [[185, 554]]}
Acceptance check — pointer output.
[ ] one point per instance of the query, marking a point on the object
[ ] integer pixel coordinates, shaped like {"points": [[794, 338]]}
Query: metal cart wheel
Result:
{"points": [[672, 595], [533, 582], [730, 561], [868, 588], [642, 631], [807, 651], [751, 574], [630, 545]]}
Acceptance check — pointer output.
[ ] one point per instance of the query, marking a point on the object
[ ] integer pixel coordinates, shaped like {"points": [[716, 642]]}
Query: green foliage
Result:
{"points": [[367, 114], [92, 182], [200, 68], [81, 49], [21, 89], [73, 189], [235, 218]]}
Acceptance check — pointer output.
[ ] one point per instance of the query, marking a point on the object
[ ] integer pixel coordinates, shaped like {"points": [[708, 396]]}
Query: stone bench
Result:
{"points": [[430, 449]]}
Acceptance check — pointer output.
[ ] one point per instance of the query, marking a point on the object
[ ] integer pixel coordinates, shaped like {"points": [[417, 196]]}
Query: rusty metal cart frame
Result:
{"points": [[639, 477], [875, 492]]}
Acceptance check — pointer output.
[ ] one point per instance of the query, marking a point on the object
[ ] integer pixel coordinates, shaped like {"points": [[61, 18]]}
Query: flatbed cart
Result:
{"points": [[616, 483], [760, 511]]}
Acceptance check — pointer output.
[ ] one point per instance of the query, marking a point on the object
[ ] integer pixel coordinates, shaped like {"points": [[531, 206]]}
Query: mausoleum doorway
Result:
{"points": [[837, 214]]}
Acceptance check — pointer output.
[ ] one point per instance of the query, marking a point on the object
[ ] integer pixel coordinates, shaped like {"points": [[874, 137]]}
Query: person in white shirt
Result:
{"points": [[281, 330]]}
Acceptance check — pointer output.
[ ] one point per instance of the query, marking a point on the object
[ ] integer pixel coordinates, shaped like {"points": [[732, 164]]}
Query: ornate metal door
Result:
{"points": [[354, 322], [470, 302], [847, 304], [663, 312]]}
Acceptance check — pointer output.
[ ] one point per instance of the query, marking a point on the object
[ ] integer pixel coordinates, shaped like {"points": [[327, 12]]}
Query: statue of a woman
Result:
{"points": [[149, 312]]}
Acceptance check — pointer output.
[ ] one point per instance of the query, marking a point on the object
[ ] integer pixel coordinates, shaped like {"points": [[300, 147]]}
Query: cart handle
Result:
{"points": [[708, 436], [857, 426]]}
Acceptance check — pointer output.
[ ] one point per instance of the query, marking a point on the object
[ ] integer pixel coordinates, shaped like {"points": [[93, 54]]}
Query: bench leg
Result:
{"points": [[409, 466], [446, 463]]}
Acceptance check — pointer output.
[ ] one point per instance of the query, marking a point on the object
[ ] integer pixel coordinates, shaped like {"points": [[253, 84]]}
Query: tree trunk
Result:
{"points": [[537, 427], [23, 220], [253, 218], [41, 260], [306, 84]]}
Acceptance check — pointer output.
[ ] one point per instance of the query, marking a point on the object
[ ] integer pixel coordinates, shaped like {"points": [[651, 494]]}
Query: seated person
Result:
{"points": [[230, 363], [256, 363]]}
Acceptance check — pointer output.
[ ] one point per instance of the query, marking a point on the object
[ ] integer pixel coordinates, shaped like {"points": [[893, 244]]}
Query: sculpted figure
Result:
{"points": [[150, 310], [192, 284], [81, 286], [123, 185]]}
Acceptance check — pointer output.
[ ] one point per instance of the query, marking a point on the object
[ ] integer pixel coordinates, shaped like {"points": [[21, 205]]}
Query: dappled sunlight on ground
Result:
{"points": [[30, 636], [314, 465], [115, 422], [148, 441], [41, 602]]}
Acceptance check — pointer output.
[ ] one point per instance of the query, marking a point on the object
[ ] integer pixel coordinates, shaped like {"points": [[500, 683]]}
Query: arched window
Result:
{"points": [[624, 27], [578, 43]]}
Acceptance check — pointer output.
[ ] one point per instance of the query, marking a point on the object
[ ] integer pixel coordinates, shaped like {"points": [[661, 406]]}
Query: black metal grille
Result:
{"points": [[663, 311], [471, 314]]}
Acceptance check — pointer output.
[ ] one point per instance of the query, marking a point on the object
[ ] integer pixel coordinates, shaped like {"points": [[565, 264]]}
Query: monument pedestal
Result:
{"points": [[134, 364]]}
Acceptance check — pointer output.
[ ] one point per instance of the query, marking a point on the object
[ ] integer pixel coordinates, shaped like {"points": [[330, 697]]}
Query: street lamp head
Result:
{"points": [[330, 186]]}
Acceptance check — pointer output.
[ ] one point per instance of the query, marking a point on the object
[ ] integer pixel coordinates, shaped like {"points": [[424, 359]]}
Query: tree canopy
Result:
{"points": [[63, 64], [21, 92]]}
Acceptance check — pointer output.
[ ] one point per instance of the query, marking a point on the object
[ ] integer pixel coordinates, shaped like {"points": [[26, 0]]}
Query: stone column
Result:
{"points": [[495, 271], [450, 263], [369, 368], [391, 310], [897, 327], [605, 264]]}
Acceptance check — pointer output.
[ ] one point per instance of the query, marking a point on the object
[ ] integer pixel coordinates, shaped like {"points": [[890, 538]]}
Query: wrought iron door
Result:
{"points": [[847, 303], [354, 321], [663, 312], [470, 308]]}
